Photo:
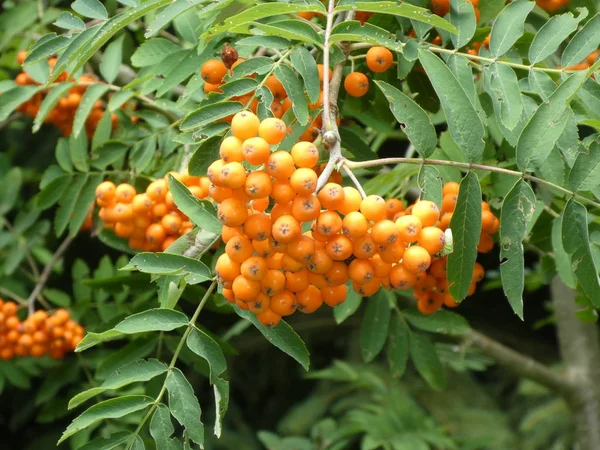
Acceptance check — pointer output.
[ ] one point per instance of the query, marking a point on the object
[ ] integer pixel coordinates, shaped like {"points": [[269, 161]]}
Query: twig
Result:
{"points": [[517, 363], [46, 273], [185, 158], [354, 180], [468, 166], [13, 296]]}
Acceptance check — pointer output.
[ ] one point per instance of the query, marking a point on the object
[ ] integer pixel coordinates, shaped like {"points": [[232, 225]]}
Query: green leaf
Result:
{"points": [[575, 238], [354, 144], [462, 16], [49, 103], [398, 346], [95, 37], [282, 336], [503, 87], [200, 212], [552, 34], [204, 346], [518, 208], [159, 319], [456, 104], [204, 155], [142, 153], [67, 203], [85, 200], [111, 60], [295, 30], [414, 121], [430, 183], [168, 264], [353, 31], [184, 405], [78, 150], [466, 228], [398, 9], [375, 324], [90, 8], [161, 428], [53, 191], [509, 26], [153, 51], [260, 12], [295, 91], [583, 43], [168, 14], [344, 310], [585, 173], [443, 322], [260, 65], [57, 297], [14, 97], [91, 339], [44, 50], [68, 21], [133, 372], [114, 408], [221, 390], [427, 362], [92, 93], [306, 66], [274, 42], [543, 129], [11, 181], [209, 114], [109, 443], [561, 257]]}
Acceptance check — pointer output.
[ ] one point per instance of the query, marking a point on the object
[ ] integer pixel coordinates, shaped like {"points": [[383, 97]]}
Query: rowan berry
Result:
{"points": [[254, 268], [331, 196], [430, 303], [379, 59], [478, 272], [373, 208], [269, 318], [272, 130], [105, 193], [281, 209], [309, 300], [402, 279], [258, 185], [450, 188], [432, 239], [356, 84], [213, 71], [245, 289], [304, 181], [339, 247], [239, 248], [232, 212], [275, 86], [286, 229], [410, 228], [258, 226], [385, 232], [367, 289], [282, 191], [427, 211], [486, 243], [157, 190], [284, 303], [416, 259], [273, 282], [306, 208], [302, 250], [256, 150], [364, 247], [219, 193], [337, 274], [334, 295], [392, 253], [244, 125], [289, 264], [280, 165]]}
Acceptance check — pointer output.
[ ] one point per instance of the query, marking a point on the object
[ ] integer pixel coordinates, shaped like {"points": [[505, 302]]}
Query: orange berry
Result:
{"points": [[213, 71], [478, 272], [432, 239], [450, 188], [286, 229], [302, 250], [321, 69], [400, 278], [264, 248], [280, 165], [317, 280], [124, 229], [440, 7], [258, 226], [296, 281], [284, 303], [157, 190], [379, 59], [337, 274], [355, 225], [309, 300], [438, 268], [304, 181], [228, 232], [233, 175], [244, 125], [254, 268], [331, 196], [380, 267], [361, 271], [268, 318], [282, 191], [155, 233], [106, 191], [305, 154], [427, 211], [281, 209], [364, 247], [256, 150], [124, 193], [232, 212], [258, 185], [393, 206], [321, 262], [449, 203], [245, 289], [486, 243], [273, 282], [289, 264], [260, 204], [226, 269], [231, 149], [392, 253], [339, 247], [272, 130], [430, 303], [488, 222], [329, 223], [385, 232], [275, 86], [219, 193], [416, 259], [208, 88], [239, 248], [352, 200], [410, 227], [373, 208], [260, 304], [356, 84], [334, 295], [444, 222]]}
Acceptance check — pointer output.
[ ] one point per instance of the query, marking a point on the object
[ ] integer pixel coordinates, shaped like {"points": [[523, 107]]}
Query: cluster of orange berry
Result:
{"points": [[214, 71], [552, 5], [150, 220], [63, 113], [442, 7], [379, 59], [301, 253], [431, 288], [38, 335]]}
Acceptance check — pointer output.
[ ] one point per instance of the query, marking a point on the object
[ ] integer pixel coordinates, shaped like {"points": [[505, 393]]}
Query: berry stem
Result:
{"points": [[46, 273], [163, 390], [354, 180], [468, 166]]}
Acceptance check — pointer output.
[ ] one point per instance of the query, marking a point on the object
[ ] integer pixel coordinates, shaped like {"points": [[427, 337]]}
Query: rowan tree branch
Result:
{"points": [[46, 273]]}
